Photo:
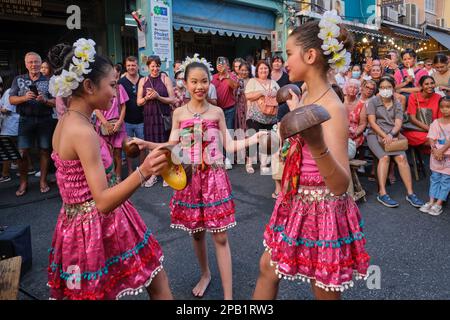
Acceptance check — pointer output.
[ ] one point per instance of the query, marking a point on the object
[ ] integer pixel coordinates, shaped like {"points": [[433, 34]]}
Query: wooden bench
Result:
{"points": [[359, 192], [9, 278], [417, 163]]}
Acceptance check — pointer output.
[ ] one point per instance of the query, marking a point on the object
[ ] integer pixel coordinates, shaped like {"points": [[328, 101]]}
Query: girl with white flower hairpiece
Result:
{"points": [[315, 232], [199, 133], [101, 247]]}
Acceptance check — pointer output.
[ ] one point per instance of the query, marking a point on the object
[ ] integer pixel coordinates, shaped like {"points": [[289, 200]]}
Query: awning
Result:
{"points": [[403, 32], [218, 17], [442, 37], [370, 32]]}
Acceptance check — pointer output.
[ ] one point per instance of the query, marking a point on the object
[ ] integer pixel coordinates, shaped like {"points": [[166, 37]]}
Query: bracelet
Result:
{"points": [[141, 176], [323, 154]]}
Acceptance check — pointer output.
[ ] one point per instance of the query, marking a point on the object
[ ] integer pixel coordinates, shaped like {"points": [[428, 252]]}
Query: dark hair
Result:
{"points": [[131, 59], [306, 36], [444, 99], [338, 91], [245, 64], [355, 65], [260, 62], [388, 79], [440, 58], [49, 65], [250, 60], [422, 80], [60, 58], [155, 59], [175, 62], [118, 68], [195, 65], [409, 51], [277, 57], [177, 73]]}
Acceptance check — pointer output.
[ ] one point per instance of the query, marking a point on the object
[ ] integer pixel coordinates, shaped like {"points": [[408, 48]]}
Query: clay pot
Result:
{"points": [[178, 175], [283, 94], [131, 149], [301, 119]]}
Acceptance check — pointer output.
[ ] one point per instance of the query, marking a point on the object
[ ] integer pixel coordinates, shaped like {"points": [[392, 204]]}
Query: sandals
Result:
{"points": [[249, 169], [21, 192], [151, 182], [45, 189], [275, 195]]}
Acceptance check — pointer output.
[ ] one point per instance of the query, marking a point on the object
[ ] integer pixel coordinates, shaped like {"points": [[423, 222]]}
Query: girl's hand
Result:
{"points": [[156, 162], [142, 144], [293, 102], [117, 126], [439, 155]]}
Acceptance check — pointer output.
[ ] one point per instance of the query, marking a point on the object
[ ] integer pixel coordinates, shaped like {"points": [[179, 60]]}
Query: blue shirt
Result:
{"points": [[10, 124]]}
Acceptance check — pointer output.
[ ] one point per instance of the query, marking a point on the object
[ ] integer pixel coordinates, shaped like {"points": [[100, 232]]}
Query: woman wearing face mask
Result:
{"points": [[426, 99], [179, 90], [356, 72], [442, 74], [385, 117]]}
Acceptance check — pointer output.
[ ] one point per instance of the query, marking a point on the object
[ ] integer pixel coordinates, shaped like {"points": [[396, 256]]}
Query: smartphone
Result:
{"points": [[34, 89], [221, 61]]}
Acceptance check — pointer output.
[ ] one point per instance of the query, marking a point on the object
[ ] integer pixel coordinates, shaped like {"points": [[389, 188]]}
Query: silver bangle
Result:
{"points": [[141, 176]]}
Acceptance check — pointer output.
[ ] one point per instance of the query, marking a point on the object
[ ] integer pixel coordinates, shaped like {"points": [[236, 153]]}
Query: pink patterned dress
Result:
{"points": [[314, 234], [97, 255], [207, 201]]}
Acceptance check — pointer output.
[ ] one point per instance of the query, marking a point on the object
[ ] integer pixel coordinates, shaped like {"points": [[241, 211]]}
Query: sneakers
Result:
{"points": [[228, 164], [265, 170], [387, 201], [30, 173], [165, 184], [414, 200], [37, 174], [5, 179], [14, 166], [426, 207], [435, 210]]}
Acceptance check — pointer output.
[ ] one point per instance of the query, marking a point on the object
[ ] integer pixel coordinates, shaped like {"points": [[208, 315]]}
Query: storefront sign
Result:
{"points": [[161, 29], [385, 3], [21, 7]]}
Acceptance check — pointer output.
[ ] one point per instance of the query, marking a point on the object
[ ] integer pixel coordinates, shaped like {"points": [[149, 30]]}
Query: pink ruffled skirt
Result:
{"points": [[101, 256], [317, 236], [205, 204]]}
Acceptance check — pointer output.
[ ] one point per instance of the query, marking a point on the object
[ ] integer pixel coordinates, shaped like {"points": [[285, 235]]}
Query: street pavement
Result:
{"points": [[411, 248]]}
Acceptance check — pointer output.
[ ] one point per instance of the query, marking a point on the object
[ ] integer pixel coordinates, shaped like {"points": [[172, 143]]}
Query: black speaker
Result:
{"points": [[16, 241]]}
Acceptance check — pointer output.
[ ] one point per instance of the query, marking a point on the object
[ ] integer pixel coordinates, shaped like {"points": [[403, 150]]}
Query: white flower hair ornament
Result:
{"points": [[196, 58], [329, 32], [69, 80]]}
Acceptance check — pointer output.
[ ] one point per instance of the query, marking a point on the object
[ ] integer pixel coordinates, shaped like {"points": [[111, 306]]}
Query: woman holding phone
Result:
{"points": [[155, 95]]}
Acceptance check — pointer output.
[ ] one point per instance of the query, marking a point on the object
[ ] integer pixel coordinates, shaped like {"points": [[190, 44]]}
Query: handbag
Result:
{"points": [[423, 115], [268, 104], [401, 144], [167, 119], [103, 128]]}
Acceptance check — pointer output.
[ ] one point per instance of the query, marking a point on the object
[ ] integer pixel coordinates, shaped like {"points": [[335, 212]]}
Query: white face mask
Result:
{"points": [[180, 83], [386, 93]]}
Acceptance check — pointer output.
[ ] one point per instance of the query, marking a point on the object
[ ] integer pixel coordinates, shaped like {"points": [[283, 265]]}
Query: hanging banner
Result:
{"points": [[161, 29], [21, 7]]}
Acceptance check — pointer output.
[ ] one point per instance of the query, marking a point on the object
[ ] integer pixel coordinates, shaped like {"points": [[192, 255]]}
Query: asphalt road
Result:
{"points": [[411, 248]]}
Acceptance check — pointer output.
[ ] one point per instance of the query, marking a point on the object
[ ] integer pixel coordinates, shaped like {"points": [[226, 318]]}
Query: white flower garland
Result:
{"points": [[329, 32], [196, 58], [64, 84]]}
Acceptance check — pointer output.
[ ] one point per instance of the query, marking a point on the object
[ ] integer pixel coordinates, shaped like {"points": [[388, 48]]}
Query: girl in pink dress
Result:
{"points": [[117, 131], [206, 204], [315, 232], [101, 247]]}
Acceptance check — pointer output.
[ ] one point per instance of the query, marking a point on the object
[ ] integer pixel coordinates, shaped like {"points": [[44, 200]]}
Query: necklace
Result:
{"points": [[197, 114], [82, 114], [323, 94]]}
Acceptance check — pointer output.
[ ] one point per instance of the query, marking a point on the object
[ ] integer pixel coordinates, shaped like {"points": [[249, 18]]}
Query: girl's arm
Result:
{"points": [[107, 199], [141, 95], [232, 145]]}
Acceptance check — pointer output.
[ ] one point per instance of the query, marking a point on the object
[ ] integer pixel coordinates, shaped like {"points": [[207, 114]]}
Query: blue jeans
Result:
{"points": [[439, 185], [229, 116], [135, 130]]}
